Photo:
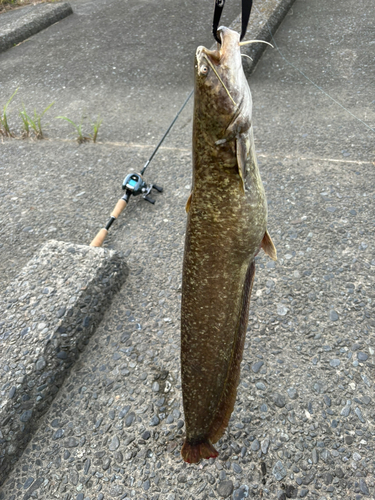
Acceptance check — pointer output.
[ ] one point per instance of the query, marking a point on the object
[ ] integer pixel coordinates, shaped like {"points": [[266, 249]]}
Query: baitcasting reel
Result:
{"points": [[135, 185]]}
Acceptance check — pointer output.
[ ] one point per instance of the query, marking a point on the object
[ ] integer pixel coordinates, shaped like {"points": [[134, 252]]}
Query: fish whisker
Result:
{"points": [[220, 80], [245, 55], [255, 41]]}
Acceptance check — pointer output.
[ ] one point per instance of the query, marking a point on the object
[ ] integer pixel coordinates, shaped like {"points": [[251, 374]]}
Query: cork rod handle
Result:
{"points": [[120, 205], [102, 234], [99, 238]]}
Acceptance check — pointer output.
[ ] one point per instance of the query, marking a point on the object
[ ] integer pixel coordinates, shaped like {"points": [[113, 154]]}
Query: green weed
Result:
{"points": [[81, 138], [25, 122], [4, 126], [35, 122], [96, 126]]}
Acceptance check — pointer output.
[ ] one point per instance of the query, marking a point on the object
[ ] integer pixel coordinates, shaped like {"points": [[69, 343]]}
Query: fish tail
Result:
{"points": [[228, 399], [192, 453]]}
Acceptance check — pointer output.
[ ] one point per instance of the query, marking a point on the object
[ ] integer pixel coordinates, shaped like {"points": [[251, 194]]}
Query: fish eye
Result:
{"points": [[203, 70]]}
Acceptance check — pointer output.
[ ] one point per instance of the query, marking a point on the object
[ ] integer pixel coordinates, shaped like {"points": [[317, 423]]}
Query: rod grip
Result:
{"points": [[120, 205], [99, 238]]}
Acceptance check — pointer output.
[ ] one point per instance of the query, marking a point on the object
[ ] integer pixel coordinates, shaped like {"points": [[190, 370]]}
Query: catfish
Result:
{"points": [[226, 227]]}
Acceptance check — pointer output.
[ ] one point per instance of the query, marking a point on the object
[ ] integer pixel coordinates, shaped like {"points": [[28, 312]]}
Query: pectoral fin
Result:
{"points": [[241, 152], [188, 203], [268, 246]]}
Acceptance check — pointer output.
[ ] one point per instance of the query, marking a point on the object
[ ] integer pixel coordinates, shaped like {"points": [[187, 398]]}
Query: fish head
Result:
{"points": [[221, 89]]}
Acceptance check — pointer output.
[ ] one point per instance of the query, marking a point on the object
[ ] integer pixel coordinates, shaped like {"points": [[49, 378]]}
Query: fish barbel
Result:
{"points": [[226, 227]]}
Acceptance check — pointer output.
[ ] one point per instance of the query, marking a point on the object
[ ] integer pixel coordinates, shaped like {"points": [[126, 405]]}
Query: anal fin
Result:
{"points": [[228, 398], [268, 246]]}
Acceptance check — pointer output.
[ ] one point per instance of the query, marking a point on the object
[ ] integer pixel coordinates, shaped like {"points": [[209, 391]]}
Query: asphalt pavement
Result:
{"points": [[303, 425]]}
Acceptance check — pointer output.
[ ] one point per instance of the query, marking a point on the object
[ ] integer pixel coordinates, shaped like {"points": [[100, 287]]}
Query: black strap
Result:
{"points": [[246, 9], [219, 6]]}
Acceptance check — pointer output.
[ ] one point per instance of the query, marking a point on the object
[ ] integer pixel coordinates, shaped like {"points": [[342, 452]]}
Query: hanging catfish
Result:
{"points": [[226, 227]]}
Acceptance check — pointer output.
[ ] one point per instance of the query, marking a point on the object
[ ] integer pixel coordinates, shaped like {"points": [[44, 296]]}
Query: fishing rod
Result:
{"points": [[135, 185]]}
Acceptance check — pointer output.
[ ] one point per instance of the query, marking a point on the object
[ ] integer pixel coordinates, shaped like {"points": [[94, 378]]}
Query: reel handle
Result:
{"points": [[150, 200]]}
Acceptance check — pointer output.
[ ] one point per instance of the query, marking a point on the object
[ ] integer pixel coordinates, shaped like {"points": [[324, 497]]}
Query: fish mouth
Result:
{"points": [[230, 41], [225, 51]]}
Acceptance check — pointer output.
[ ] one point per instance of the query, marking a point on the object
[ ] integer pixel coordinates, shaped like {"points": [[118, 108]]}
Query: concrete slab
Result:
{"points": [[48, 314], [19, 24]]}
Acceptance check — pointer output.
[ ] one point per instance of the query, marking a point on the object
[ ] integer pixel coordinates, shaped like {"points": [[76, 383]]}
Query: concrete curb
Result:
{"points": [[34, 20], [264, 21], [47, 316]]}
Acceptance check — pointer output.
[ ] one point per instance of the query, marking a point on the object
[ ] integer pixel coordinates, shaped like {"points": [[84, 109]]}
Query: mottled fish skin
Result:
{"points": [[227, 221]]}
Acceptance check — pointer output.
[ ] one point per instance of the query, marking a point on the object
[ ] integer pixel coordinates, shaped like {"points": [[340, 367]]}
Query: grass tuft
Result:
{"points": [[4, 125], [96, 126], [35, 122], [80, 138], [25, 122]]}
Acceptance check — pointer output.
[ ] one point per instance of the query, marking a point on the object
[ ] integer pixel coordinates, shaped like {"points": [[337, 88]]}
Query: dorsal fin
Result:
{"points": [[268, 246]]}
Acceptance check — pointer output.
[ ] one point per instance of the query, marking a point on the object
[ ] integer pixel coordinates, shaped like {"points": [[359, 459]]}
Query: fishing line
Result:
{"points": [[166, 133], [309, 79]]}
